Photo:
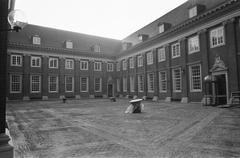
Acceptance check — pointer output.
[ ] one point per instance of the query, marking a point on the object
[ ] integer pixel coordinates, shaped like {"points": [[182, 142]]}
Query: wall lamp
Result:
{"points": [[17, 20]]}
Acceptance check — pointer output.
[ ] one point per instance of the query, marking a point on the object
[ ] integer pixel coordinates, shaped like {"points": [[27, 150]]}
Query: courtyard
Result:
{"points": [[98, 128]]}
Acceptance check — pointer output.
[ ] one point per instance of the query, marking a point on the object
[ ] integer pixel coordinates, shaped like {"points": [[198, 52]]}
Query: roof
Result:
{"points": [[174, 17], [54, 38]]}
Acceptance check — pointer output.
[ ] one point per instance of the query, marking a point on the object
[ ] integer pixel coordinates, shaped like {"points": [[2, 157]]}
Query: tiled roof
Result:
{"points": [[54, 38]]}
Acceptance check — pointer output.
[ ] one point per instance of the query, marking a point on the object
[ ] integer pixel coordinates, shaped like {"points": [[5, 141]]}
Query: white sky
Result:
{"points": [[107, 18]]}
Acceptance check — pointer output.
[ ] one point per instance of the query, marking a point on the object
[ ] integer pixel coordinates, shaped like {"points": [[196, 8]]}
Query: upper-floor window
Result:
{"points": [[217, 37], [175, 50], [161, 54], [96, 48], [109, 66], [161, 28], [53, 62], [35, 61], [69, 64], [140, 60], [149, 58], [193, 44], [69, 44], [97, 66], [124, 64], [193, 12], [16, 60], [36, 40], [118, 66], [131, 63], [83, 65]]}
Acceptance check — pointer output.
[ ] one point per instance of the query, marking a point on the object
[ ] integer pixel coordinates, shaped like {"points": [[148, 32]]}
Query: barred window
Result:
{"points": [[98, 84], [69, 83], [84, 84], [15, 83], [195, 78], [16, 60], [151, 82], [140, 83], [53, 84], [35, 83], [163, 81], [177, 81]]}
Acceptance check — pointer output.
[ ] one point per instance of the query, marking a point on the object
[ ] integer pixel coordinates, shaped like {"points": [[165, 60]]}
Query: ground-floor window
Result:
{"points": [[132, 83], [163, 81], [15, 83], [35, 84], [98, 84], [177, 81], [124, 84], [69, 83], [150, 82], [140, 83], [118, 85], [84, 84], [53, 84], [195, 78]]}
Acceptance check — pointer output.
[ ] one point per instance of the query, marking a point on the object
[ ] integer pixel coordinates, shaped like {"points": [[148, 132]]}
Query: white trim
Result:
{"points": [[83, 62], [110, 67], [131, 63], [177, 53], [161, 53], [150, 81], [191, 81], [149, 58], [160, 81], [125, 84], [216, 31], [57, 83], [173, 80], [20, 82], [124, 64], [87, 84], [191, 39], [100, 84], [97, 67], [68, 66], [49, 60], [16, 55], [36, 58], [31, 83], [139, 60], [132, 84], [66, 83], [142, 76]]}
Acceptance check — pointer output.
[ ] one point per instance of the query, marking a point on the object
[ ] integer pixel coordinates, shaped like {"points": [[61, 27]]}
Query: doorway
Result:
{"points": [[110, 90], [221, 89]]}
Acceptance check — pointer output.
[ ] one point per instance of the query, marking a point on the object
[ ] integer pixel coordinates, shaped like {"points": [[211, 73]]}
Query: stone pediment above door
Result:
{"points": [[218, 65]]}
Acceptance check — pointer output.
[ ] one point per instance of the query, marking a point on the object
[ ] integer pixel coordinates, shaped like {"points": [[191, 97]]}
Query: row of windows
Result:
{"points": [[194, 77], [53, 84], [217, 38], [16, 60]]}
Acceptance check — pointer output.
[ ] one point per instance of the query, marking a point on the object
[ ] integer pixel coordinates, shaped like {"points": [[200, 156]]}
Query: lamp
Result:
{"points": [[17, 20]]}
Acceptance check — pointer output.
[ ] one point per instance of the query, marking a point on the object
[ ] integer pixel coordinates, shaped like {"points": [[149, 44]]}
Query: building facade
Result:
{"points": [[167, 59]]}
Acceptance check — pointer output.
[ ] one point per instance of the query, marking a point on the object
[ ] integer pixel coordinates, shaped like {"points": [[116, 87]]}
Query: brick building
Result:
{"points": [[167, 59]]}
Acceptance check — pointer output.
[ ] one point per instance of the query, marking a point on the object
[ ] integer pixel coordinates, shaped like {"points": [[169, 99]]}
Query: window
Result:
{"points": [[124, 84], [193, 44], [163, 81], [109, 66], [193, 12], [132, 84], [15, 83], [53, 63], [195, 78], [217, 37], [97, 66], [140, 83], [161, 28], [69, 84], [131, 63], [151, 82], [149, 58], [140, 60], [84, 84], [96, 48], [175, 50], [118, 66], [69, 64], [161, 54], [35, 61], [124, 62], [16, 60], [36, 40], [83, 65], [35, 83], [177, 82], [69, 44], [53, 84], [118, 85], [98, 84]]}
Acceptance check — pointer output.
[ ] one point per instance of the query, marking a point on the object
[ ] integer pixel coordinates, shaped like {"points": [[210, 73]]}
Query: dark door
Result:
{"points": [[110, 90], [220, 89]]}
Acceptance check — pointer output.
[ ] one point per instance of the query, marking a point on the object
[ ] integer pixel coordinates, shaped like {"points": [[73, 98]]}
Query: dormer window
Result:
{"points": [[36, 40], [193, 12], [142, 37], [161, 28], [126, 45], [96, 48], [69, 44]]}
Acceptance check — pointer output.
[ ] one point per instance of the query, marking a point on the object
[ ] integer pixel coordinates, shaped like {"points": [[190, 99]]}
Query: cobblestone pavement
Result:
{"points": [[99, 128]]}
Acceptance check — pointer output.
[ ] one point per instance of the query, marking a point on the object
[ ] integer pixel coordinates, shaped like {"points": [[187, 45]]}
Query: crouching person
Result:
{"points": [[135, 107]]}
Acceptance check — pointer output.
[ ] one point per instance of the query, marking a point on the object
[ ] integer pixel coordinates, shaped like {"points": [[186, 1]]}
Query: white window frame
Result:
{"points": [[16, 63], [69, 44], [150, 82], [161, 54], [131, 63], [110, 67], [11, 83], [193, 12], [118, 85], [83, 65], [161, 28], [35, 58], [193, 44], [175, 80], [176, 50], [149, 58], [162, 81], [36, 40], [217, 35], [33, 82], [118, 66], [49, 84], [191, 78], [100, 84], [140, 60], [81, 84], [69, 64], [124, 84], [132, 84], [52, 66], [140, 83], [97, 66], [124, 64], [72, 90]]}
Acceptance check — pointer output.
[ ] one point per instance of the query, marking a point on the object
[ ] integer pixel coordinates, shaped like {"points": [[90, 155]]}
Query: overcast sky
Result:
{"points": [[107, 18]]}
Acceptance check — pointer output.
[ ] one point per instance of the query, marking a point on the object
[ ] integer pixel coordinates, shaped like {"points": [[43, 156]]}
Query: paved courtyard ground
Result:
{"points": [[99, 128]]}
